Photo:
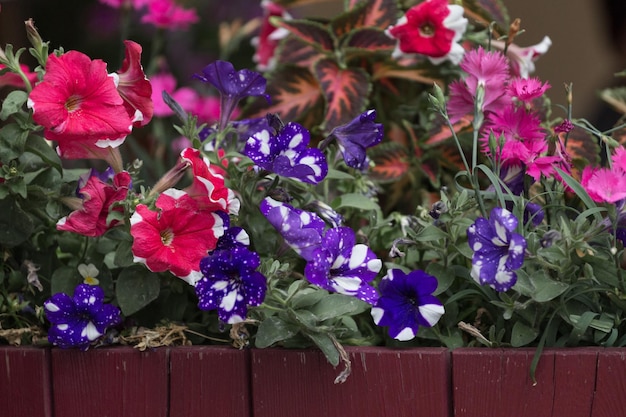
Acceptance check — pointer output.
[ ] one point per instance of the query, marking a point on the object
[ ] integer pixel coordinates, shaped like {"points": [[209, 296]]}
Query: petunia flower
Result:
{"points": [[232, 85], [91, 210], [134, 87], [230, 282], [14, 80], [406, 302], [166, 14], [269, 35], [301, 229], [432, 28], [341, 265], [498, 251], [79, 106], [356, 136], [79, 320], [523, 59], [176, 236], [287, 154]]}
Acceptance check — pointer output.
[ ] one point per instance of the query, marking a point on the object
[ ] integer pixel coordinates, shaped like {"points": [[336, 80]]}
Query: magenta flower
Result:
{"points": [[269, 35], [166, 14], [406, 302], [134, 87], [432, 28], [527, 89]]}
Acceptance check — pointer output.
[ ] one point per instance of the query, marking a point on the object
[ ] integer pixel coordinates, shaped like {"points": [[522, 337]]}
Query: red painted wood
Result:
{"points": [[110, 382], [25, 382], [384, 383], [574, 381], [610, 398], [209, 381], [496, 383]]}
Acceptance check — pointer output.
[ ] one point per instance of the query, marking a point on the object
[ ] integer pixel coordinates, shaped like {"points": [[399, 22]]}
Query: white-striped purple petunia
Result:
{"points": [[406, 302], [498, 251], [287, 154]]}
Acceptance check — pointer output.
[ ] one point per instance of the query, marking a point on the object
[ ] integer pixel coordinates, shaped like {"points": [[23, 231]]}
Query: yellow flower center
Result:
{"points": [[427, 29], [167, 236], [73, 103]]}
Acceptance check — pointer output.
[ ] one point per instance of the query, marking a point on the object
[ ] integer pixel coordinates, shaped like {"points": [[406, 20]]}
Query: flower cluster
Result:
{"points": [[334, 194]]}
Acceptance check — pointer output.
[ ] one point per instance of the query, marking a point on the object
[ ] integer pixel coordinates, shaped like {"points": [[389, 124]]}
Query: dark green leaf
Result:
{"points": [[16, 226], [136, 287], [522, 334], [13, 103], [37, 145], [326, 345], [272, 330], [64, 280], [335, 305]]}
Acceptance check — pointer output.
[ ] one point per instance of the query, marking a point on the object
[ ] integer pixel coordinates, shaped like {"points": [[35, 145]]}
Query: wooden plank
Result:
{"points": [[384, 382], [574, 381], [25, 382], [110, 382], [610, 398], [209, 381], [496, 383]]}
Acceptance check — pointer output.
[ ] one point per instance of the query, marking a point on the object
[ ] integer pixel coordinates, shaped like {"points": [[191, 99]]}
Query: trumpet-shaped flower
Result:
{"points": [[230, 282], [79, 106], [134, 87], [406, 302], [498, 251], [79, 320], [287, 154], [176, 236], [432, 28], [341, 265], [523, 59], [269, 35], [98, 198]]}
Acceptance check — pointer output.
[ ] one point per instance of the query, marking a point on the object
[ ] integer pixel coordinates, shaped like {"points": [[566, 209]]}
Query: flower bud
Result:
{"points": [[33, 35]]}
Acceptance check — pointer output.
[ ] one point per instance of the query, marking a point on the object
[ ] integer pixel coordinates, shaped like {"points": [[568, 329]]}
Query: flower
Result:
{"points": [[166, 14], [432, 28], [341, 265], [176, 236], [498, 251], [269, 36], [79, 320], [406, 302], [230, 282], [134, 87], [89, 273], [523, 59]]}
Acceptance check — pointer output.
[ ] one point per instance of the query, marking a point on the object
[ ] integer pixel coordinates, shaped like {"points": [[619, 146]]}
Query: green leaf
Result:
{"points": [[64, 280], [272, 330], [326, 345], [16, 226], [334, 174], [369, 40], [307, 297], [136, 288], [12, 141], [124, 254], [308, 31], [356, 201], [522, 335], [335, 305], [445, 276], [430, 233], [38, 146], [546, 289], [13, 103]]}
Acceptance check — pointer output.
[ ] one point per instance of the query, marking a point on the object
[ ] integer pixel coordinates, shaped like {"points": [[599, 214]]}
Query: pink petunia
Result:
{"points": [[79, 106], [14, 80], [176, 236], [90, 219], [432, 28], [185, 96], [166, 14], [134, 87]]}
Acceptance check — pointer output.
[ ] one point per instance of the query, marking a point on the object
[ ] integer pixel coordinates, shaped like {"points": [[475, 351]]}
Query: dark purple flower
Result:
{"points": [[81, 319], [300, 229], [355, 137], [342, 266], [233, 86], [534, 212], [406, 302], [497, 249], [230, 282], [287, 154], [106, 176]]}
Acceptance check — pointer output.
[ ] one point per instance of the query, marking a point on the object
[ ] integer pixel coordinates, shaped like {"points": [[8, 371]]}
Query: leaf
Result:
{"points": [[615, 97], [313, 33], [368, 40], [377, 13], [487, 11], [344, 23], [136, 287], [12, 142], [522, 335], [383, 70], [445, 276], [297, 52], [326, 345], [64, 279], [354, 200], [38, 146], [345, 91], [13, 103], [391, 162], [546, 289], [335, 305], [272, 330], [16, 226]]}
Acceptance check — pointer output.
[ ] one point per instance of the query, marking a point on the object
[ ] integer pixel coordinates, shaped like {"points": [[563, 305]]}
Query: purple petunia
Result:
{"points": [[79, 320], [287, 154], [498, 251], [355, 137], [230, 282], [301, 229], [406, 302], [233, 86], [342, 266]]}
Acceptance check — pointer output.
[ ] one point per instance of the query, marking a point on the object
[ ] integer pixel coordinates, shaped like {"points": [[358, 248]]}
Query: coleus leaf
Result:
{"points": [[345, 90], [377, 13], [487, 11], [383, 70], [294, 91], [311, 32], [368, 40], [440, 132], [295, 51], [391, 162]]}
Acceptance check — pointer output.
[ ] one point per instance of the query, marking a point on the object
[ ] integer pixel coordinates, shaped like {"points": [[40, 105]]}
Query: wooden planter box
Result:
{"points": [[205, 381]]}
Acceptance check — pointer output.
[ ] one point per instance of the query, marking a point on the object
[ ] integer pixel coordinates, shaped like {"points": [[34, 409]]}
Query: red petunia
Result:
{"points": [[134, 87], [98, 197], [176, 236], [79, 106]]}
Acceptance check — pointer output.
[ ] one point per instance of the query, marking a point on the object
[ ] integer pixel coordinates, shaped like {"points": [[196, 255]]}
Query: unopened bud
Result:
{"points": [[33, 34]]}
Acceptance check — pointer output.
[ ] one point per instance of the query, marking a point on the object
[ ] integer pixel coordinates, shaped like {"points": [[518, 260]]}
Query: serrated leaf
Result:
{"points": [[368, 40], [313, 33], [294, 51], [136, 287], [377, 13], [355, 201], [272, 330], [349, 20], [487, 11], [391, 162], [382, 70], [345, 91], [335, 305]]}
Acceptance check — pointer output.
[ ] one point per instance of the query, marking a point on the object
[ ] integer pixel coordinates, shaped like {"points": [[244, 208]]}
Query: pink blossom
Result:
{"points": [[166, 14], [604, 185], [185, 96], [527, 89], [14, 80], [134, 87], [269, 35], [619, 159], [432, 28], [522, 59], [176, 236]]}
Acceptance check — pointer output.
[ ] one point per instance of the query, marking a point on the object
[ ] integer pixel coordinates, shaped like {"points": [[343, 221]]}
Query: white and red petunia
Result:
{"points": [[432, 28], [134, 87], [79, 106], [269, 35], [176, 236], [523, 59]]}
